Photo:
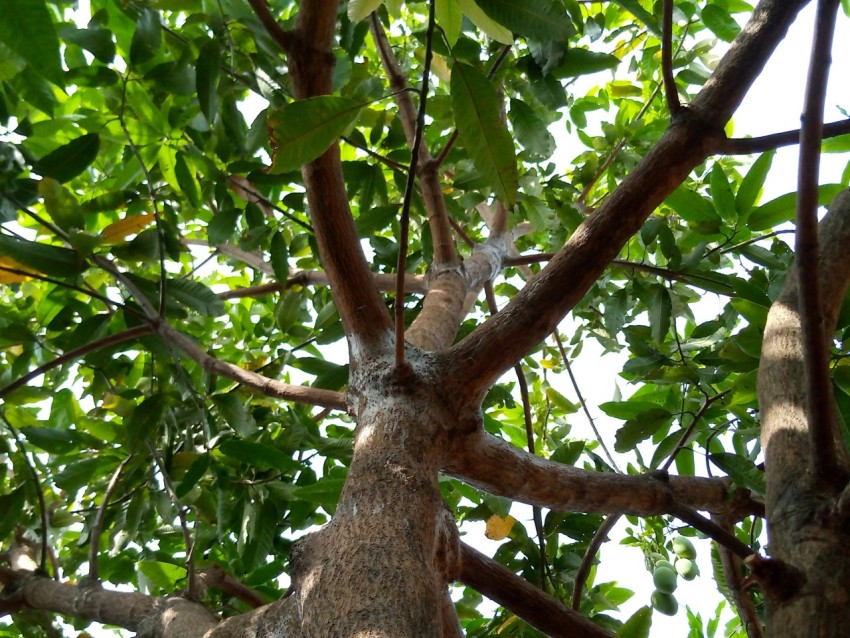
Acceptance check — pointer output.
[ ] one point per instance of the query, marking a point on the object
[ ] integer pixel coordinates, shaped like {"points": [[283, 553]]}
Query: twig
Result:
{"points": [[241, 185], [710, 529], [401, 267], [748, 145], [581, 400], [537, 608], [683, 440], [42, 508], [191, 576], [111, 340], [734, 581], [283, 38], [587, 560], [383, 159], [529, 435], [97, 527], [823, 462], [670, 90], [219, 579]]}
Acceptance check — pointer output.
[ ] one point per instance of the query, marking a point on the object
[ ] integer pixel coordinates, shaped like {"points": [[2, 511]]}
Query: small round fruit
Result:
{"points": [[684, 548], [664, 579], [687, 569], [665, 603], [663, 563]]}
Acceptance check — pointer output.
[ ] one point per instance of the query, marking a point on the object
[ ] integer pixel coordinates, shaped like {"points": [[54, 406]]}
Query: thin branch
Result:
{"points": [[111, 340], [283, 38], [247, 191], [823, 460], [529, 435], [191, 575], [516, 594], [584, 568], [711, 529], [97, 527], [734, 581], [42, 508], [401, 266], [683, 440], [390, 163], [750, 145], [264, 385], [219, 579], [670, 90], [582, 402]]}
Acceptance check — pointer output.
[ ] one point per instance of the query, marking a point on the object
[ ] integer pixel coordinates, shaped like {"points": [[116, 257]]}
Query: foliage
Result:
{"points": [[151, 156]]}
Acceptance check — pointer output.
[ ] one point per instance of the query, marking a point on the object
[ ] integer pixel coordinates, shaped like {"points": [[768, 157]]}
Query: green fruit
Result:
{"points": [[665, 579], [663, 563], [665, 603], [687, 568], [684, 548]]}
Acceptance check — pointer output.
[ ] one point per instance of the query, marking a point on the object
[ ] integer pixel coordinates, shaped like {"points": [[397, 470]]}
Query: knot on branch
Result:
{"points": [[777, 579]]}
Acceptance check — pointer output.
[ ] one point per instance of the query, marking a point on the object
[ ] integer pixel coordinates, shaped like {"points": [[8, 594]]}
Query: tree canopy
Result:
{"points": [[267, 266]]}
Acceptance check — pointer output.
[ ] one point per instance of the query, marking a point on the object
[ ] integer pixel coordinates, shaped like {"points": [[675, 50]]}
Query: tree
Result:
{"points": [[177, 283]]}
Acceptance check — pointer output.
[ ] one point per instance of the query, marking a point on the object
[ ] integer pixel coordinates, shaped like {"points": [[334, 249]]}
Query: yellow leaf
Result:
{"points": [[130, 225], [506, 624], [498, 527], [7, 277]]}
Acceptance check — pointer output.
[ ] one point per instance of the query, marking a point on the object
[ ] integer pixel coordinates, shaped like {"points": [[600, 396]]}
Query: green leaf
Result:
{"points": [[54, 261], [480, 19], [279, 257], [720, 23], [233, 410], [535, 19], [164, 575], [194, 474], [784, 208], [626, 409], [196, 296], [146, 420], [361, 9], [147, 38], [325, 492], [753, 182], [61, 204], [11, 505], [580, 61], [264, 526], [634, 7], [222, 226], [96, 41], [721, 194], [258, 454], [187, 183], [660, 312], [638, 625], [449, 16], [78, 473], [479, 124], [692, 207], [305, 129], [742, 470], [206, 78], [27, 29], [531, 131], [51, 440], [71, 159], [640, 428]]}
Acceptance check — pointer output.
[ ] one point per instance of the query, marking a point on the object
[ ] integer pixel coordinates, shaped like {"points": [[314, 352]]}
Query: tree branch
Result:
{"points": [[247, 378], [748, 145], [475, 363], [497, 467], [740, 597], [364, 316], [593, 546], [426, 169], [534, 606], [821, 414], [670, 90]]}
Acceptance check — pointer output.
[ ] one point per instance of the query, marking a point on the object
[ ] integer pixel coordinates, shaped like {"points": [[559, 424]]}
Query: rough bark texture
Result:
{"points": [[807, 528]]}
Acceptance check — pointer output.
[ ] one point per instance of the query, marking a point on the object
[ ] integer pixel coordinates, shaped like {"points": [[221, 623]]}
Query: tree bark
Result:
{"points": [[807, 520]]}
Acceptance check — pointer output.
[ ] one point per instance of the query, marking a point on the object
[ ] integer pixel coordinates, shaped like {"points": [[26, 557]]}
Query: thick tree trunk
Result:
{"points": [[807, 520]]}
